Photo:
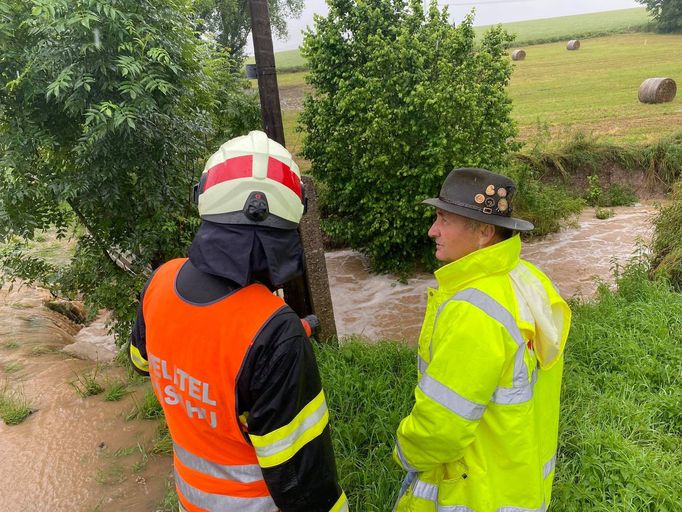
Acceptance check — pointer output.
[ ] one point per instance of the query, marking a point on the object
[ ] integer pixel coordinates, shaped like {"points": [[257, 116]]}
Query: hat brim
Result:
{"points": [[495, 220]]}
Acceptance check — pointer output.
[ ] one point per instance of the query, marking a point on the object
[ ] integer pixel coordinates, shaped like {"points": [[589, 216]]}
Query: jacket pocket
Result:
{"points": [[454, 488]]}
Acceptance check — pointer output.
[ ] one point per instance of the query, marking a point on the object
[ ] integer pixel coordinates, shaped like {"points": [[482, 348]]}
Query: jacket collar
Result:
{"points": [[495, 259]]}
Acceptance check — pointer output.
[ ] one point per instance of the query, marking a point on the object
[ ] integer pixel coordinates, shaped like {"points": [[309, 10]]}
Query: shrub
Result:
{"points": [[546, 206], [104, 110], [666, 13], [667, 241], [401, 97]]}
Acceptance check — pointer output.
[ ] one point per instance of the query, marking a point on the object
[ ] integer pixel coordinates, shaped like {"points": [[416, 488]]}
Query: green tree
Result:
{"points": [[666, 13], [230, 20], [106, 108], [401, 97]]}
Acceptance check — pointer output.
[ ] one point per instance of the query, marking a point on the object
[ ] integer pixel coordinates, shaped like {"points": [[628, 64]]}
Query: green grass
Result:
{"points": [[162, 442], [527, 32], [284, 61], [115, 391], [12, 367], [667, 242], [170, 500], [148, 408], [595, 88], [621, 418], [14, 406], [369, 389], [10, 345], [87, 384], [575, 27], [622, 401]]}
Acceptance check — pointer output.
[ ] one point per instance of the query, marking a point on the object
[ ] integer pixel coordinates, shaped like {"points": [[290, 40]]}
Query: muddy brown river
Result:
{"points": [[80, 454], [72, 454], [380, 307]]}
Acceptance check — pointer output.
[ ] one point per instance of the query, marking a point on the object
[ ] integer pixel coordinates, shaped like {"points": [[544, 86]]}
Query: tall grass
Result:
{"points": [[14, 406], [369, 389], [587, 154], [621, 418], [667, 242]]}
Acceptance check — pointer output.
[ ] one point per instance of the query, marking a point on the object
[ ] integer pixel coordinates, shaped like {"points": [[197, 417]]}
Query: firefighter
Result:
{"points": [[482, 435], [229, 361]]}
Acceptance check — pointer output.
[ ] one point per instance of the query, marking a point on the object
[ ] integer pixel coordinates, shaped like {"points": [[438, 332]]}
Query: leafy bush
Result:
{"points": [[667, 242], [604, 213], [667, 13], [401, 97], [546, 206], [104, 110]]}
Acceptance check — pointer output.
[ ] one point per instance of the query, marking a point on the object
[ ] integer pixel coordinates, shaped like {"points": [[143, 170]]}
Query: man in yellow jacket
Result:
{"points": [[482, 436]]}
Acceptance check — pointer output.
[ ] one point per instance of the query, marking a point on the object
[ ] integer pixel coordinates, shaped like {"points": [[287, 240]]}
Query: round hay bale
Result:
{"points": [[518, 55], [657, 90], [573, 44]]}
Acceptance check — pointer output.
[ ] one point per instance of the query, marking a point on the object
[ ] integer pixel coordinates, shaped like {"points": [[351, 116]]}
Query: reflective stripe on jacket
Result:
{"points": [[216, 469], [482, 435]]}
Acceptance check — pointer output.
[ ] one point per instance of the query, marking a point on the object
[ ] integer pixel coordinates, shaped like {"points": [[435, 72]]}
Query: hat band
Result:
{"points": [[483, 209]]}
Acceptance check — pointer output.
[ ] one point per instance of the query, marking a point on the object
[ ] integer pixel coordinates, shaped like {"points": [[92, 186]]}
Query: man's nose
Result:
{"points": [[433, 231]]}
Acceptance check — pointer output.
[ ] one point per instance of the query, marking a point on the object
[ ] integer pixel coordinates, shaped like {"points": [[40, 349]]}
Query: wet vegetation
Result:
{"points": [[12, 367], [115, 390], [622, 405], [667, 243], [148, 408], [14, 406], [41, 350], [87, 383]]}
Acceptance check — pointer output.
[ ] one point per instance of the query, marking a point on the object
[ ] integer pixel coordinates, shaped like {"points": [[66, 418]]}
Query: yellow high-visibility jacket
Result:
{"points": [[482, 436]]}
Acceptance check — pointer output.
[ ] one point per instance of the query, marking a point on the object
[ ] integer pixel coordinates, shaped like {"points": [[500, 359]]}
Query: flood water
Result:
{"points": [[380, 307], [72, 453], [80, 454]]}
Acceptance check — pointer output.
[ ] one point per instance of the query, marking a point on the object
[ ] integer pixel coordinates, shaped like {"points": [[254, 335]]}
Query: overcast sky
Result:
{"points": [[488, 12]]}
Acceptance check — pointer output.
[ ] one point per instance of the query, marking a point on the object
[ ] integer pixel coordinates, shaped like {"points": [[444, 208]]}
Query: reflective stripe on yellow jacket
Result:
{"points": [[482, 435]]}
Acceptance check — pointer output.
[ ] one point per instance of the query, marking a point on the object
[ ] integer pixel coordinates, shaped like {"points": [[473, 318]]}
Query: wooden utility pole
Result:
{"points": [[298, 293]]}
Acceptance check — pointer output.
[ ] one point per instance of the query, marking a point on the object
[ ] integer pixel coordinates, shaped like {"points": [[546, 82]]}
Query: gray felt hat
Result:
{"points": [[480, 195]]}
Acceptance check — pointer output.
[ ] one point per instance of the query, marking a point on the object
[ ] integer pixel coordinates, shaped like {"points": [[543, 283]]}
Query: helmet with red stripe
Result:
{"points": [[251, 180]]}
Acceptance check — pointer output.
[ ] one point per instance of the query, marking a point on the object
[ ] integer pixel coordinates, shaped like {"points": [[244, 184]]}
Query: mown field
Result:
{"points": [[557, 92], [533, 31], [578, 26], [595, 88]]}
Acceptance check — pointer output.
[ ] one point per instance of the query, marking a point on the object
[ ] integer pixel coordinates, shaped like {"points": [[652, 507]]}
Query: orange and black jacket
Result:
{"points": [[275, 388]]}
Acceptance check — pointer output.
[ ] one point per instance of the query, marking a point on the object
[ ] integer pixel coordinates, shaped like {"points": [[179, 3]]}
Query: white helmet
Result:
{"points": [[251, 180]]}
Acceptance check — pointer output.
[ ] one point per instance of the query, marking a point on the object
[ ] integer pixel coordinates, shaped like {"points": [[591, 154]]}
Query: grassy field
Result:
{"points": [[621, 407], [593, 89], [531, 32], [576, 27]]}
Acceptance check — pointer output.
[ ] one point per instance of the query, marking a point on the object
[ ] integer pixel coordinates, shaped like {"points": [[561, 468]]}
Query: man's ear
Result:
{"points": [[486, 234]]}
